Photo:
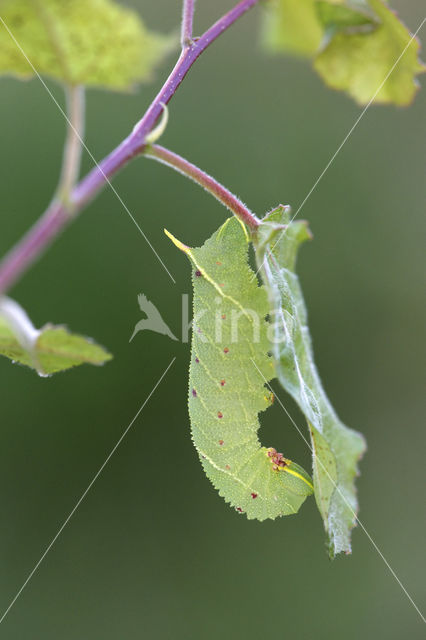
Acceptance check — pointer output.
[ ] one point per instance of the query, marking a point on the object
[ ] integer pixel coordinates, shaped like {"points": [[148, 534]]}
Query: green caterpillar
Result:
{"points": [[230, 364]]}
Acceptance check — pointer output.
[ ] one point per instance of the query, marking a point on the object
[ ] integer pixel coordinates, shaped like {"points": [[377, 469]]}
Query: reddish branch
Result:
{"points": [[60, 213]]}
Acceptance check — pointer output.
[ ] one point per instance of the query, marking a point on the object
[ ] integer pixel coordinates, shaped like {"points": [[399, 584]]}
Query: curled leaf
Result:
{"points": [[78, 42], [228, 371], [336, 449]]}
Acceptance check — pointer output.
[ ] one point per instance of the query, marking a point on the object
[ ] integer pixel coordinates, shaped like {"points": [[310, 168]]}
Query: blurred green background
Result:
{"points": [[153, 552]]}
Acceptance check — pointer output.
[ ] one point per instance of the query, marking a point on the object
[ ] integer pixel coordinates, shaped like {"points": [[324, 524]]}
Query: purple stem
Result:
{"points": [[58, 215], [133, 145], [189, 170], [187, 22], [33, 243]]}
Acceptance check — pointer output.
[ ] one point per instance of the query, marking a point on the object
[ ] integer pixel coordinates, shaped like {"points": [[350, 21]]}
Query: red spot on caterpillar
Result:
{"points": [[221, 442], [219, 414], [222, 383], [196, 360], [223, 317], [221, 284], [194, 393], [198, 273], [226, 350], [240, 510], [254, 495], [227, 467], [218, 263]]}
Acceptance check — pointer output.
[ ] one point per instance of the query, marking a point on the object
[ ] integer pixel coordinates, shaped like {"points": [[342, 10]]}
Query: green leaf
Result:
{"points": [[359, 62], [78, 42], [336, 449], [292, 26], [299, 26], [53, 350], [228, 371], [353, 44]]}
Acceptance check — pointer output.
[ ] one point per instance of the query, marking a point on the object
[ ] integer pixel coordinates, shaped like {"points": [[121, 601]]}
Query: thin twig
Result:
{"points": [[187, 22], [73, 145], [211, 185], [56, 218], [133, 145]]}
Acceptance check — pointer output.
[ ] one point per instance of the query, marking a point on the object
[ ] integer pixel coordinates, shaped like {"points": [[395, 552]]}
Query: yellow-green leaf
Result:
{"points": [[354, 44], [78, 42], [359, 62], [292, 26], [53, 349]]}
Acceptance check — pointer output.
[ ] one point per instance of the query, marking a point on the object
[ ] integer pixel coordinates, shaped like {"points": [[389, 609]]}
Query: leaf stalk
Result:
{"points": [[194, 173], [76, 100]]}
